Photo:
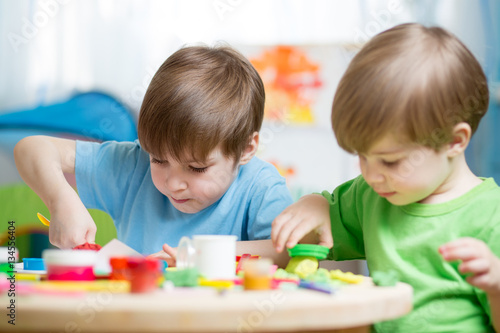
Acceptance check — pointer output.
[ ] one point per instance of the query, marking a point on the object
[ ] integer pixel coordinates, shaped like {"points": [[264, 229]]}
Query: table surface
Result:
{"points": [[351, 309]]}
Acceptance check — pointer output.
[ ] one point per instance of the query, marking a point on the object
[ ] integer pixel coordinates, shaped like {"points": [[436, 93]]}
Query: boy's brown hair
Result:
{"points": [[201, 98], [410, 80]]}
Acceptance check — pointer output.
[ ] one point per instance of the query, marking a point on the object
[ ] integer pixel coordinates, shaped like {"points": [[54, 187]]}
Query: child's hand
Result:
{"points": [[309, 213], [478, 260], [169, 254], [70, 223]]}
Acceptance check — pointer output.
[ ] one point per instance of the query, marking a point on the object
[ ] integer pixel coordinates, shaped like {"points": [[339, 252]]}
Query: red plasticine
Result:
{"points": [[88, 246]]}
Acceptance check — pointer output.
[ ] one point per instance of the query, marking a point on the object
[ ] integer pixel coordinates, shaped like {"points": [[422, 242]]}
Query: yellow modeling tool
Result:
{"points": [[43, 219], [28, 277], [71, 286]]}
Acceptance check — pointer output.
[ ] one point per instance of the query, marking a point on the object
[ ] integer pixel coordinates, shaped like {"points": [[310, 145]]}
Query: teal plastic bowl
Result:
{"points": [[309, 250]]}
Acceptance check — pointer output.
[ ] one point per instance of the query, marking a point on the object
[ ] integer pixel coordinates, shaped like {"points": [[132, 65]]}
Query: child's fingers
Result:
{"points": [[276, 229], [172, 252], [291, 232], [285, 232], [325, 235], [478, 261], [462, 253], [171, 262], [68, 242], [282, 227], [90, 237], [463, 249], [159, 255], [458, 243], [477, 266], [487, 281], [297, 233], [482, 281]]}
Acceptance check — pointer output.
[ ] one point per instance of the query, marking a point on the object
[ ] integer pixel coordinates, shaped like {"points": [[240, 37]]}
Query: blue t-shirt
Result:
{"points": [[115, 177]]}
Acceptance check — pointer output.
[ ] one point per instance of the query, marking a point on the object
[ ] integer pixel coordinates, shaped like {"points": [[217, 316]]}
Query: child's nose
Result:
{"points": [[175, 182], [372, 174]]}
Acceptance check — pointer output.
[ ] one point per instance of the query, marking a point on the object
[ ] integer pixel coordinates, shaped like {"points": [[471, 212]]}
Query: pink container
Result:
{"points": [[70, 265]]}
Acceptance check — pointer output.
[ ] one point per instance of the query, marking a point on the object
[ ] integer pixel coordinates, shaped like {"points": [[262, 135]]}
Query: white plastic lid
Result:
{"points": [[69, 257], [4, 254]]}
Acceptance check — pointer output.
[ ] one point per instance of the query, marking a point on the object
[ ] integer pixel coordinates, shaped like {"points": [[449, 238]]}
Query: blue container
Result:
{"points": [[33, 264]]}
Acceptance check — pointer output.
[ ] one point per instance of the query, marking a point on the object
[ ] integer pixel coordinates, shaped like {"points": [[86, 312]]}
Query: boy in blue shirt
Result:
{"points": [[192, 171], [408, 105]]}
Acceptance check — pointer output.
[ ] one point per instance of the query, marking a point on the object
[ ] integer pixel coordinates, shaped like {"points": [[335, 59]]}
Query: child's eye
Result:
{"points": [[157, 161], [390, 163], [199, 170]]}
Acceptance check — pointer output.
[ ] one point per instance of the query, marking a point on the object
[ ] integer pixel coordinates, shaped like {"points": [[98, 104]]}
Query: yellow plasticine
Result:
{"points": [[219, 284], [348, 277], [302, 266]]}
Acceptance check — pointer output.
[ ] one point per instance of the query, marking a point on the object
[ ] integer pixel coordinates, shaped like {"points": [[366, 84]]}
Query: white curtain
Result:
{"points": [[50, 48]]}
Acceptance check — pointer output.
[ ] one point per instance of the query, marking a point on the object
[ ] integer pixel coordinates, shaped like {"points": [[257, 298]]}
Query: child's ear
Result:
{"points": [[250, 149], [462, 133]]}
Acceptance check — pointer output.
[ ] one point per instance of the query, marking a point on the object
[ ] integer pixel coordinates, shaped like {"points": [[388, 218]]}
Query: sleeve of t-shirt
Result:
{"points": [[103, 173], [490, 235], [270, 197], [345, 222]]}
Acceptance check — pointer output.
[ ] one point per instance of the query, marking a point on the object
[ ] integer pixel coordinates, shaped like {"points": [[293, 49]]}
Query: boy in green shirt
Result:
{"points": [[408, 105]]}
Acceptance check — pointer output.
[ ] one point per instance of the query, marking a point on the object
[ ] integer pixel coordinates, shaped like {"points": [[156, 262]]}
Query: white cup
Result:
{"points": [[213, 255]]}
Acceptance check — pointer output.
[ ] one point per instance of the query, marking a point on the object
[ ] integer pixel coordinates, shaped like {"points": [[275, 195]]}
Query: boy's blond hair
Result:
{"points": [[200, 99], [413, 81]]}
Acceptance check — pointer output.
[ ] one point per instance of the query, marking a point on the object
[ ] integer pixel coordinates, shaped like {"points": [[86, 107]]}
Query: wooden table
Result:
{"points": [[351, 309]]}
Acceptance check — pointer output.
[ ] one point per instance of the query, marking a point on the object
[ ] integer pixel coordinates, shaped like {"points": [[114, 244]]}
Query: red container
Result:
{"points": [[143, 274], [119, 268]]}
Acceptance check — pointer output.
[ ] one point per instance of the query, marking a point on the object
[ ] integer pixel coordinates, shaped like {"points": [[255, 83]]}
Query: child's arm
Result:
{"points": [[483, 267], [263, 248], [41, 162], [310, 213]]}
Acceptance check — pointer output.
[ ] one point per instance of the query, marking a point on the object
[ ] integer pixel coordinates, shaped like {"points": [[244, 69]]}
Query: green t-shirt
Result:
{"points": [[407, 238]]}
